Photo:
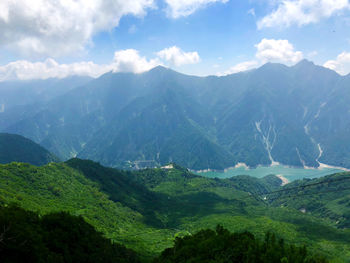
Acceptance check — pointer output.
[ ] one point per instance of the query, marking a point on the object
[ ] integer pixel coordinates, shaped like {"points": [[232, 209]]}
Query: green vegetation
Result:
{"points": [[57, 187], [221, 246], [55, 238], [146, 210], [61, 237], [325, 197], [15, 148]]}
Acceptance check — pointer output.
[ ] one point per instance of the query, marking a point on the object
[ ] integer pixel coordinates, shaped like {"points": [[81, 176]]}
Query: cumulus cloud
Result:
{"points": [[175, 56], [178, 8], [128, 60], [341, 64], [53, 28], [269, 50], [24, 70], [272, 50], [302, 12]]}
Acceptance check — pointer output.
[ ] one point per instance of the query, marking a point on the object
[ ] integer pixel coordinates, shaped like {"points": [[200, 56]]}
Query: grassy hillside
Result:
{"points": [[146, 210], [16, 148]]}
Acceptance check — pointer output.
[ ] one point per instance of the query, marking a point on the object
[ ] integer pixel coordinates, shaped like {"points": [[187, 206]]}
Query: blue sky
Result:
{"points": [[201, 37]]}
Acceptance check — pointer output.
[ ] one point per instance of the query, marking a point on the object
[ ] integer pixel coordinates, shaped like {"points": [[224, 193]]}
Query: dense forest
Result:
{"points": [[147, 210], [60, 237], [327, 197], [222, 246], [16, 148], [55, 238]]}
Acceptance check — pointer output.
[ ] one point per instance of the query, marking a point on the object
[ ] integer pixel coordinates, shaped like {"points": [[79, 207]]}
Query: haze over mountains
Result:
{"points": [[295, 115], [18, 98]]}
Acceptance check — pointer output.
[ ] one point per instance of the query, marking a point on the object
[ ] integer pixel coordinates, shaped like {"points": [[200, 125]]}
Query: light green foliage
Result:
{"points": [[146, 210], [326, 197], [57, 187]]}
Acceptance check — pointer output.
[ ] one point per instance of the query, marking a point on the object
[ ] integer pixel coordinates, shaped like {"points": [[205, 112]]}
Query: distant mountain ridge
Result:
{"points": [[20, 99], [16, 148], [295, 115]]}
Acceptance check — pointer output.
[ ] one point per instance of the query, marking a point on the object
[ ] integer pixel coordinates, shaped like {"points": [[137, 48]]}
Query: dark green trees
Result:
{"points": [[222, 246], [16, 148], [58, 237]]}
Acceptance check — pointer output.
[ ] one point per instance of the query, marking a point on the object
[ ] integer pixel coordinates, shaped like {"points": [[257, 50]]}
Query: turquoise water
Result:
{"points": [[291, 173]]}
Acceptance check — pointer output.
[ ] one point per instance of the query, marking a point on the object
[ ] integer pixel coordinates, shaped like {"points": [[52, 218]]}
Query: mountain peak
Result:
{"points": [[304, 63], [308, 66], [159, 69], [272, 66]]}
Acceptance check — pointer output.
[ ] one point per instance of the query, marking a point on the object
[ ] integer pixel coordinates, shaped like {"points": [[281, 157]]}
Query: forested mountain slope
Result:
{"points": [[22, 99], [326, 197], [222, 246], [293, 115], [16, 148], [57, 237], [61, 237], [147, 209]]}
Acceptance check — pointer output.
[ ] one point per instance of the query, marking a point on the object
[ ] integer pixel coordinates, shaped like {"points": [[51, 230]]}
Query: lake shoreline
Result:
{"points": [[283, 179], [239, 165], [285, 173]]}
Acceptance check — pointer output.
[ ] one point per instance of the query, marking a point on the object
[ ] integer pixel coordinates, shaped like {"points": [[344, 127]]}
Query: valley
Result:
{"points": [[160, 143], [174, 131]]}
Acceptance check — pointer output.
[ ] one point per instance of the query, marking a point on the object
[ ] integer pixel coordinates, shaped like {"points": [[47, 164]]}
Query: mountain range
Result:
{"points": [[296, 115]]}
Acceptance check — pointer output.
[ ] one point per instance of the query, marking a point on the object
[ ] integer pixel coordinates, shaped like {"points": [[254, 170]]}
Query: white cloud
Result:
{"points": [[244, 66], [47, 27], [24, 70], [302, 12], [281, 51], [129, 60], [269, 50], [178, 8], [177, 57], [341, 64]]}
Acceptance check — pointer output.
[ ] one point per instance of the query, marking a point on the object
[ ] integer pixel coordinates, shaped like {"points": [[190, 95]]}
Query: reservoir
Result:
{"points": [[289, 173]]}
